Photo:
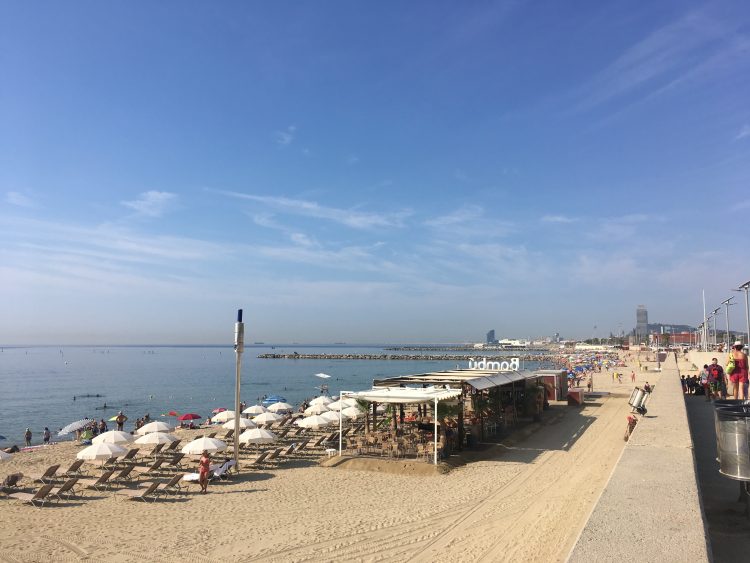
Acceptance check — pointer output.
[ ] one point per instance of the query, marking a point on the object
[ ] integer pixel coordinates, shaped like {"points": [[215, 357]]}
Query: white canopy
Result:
{"points": [[407, 395]]}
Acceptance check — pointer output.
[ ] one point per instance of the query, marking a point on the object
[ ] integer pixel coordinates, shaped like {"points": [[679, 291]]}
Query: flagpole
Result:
{"points": [[239, 348]]}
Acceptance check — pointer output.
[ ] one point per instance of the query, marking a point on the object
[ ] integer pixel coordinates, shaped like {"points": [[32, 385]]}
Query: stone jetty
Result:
{"points": [[408, 357]]}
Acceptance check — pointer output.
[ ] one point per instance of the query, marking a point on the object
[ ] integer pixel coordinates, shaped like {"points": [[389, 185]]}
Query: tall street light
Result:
{"points": [[727, 303], [744, 287], [715, 314], [239, 348]]}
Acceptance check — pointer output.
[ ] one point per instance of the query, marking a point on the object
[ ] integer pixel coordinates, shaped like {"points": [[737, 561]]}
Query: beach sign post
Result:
{"points": [[239, 348]]}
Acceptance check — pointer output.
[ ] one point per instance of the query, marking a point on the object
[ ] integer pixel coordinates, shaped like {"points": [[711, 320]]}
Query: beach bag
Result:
{"points": [[730, 366]]}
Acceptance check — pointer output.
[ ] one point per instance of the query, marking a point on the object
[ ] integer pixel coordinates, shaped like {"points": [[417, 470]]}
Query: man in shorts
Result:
{"points": [[717, 380]]}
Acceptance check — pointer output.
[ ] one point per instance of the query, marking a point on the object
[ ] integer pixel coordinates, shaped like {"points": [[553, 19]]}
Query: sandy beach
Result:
{"points": [[526, 498]]}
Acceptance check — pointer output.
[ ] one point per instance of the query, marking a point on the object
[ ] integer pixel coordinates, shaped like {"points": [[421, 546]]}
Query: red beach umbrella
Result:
{"points": [[220, 409], [189, 416]]}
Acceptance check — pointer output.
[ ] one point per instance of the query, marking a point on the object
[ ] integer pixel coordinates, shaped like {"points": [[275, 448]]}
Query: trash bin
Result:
{"points": [[733, 440]]}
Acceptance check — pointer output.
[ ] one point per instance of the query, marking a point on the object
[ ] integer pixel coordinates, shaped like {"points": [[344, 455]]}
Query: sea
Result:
{"points": [[53, 386]]}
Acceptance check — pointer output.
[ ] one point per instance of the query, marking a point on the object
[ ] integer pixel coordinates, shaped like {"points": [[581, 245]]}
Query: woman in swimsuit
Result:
{"points": [[203, 468], [738, 376]]}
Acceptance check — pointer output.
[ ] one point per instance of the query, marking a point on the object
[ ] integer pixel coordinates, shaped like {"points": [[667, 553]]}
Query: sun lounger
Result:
{"points": [[228, 435], [111, 463], [74, 470], [171, 486], [153, 469], [274, 455], [175, 462], [124, 475], [154, 452], [38, 499], [128, 457], [48, 476], [288, 450], [298, 448], [257, 460], [64, 491], [170, 449], [283, 433], [101, 483], [144, 494]]}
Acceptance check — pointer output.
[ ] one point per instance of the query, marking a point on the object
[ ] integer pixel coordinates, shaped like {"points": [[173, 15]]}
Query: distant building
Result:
{"points": [[491, 337], [641, 324]]}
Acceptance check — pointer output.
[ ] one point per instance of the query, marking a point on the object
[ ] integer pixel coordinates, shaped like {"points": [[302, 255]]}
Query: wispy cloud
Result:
{"points": [[19, 199], [744, 132], [660, 60], [352, 160], [286, 136], [350, 217], [558, 219], [152, 203], [469, 221]]}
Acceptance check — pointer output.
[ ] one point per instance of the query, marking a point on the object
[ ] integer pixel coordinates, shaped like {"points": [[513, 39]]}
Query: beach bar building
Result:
{"points": [[480, 398]]}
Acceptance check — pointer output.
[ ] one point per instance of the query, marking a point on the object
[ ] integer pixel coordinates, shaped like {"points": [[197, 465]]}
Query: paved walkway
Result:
{"points": [[650, 509]]}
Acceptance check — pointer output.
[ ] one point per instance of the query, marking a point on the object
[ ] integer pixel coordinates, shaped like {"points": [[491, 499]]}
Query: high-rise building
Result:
{"points": [[641, 324], [491, 337]]}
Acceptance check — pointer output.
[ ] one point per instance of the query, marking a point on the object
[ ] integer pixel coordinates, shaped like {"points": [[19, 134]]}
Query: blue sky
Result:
{"points": [[369, 172]]}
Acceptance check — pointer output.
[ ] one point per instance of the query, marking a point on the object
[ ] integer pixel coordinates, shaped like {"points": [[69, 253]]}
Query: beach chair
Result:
{"points": [[10, 483], [287, 450], [170, 449], [228, 435], [316, 444], [74, 470], [147, 493], [111, 463], [296, 449], [154, 452], [124, 475], [283, 433], [274, 455], [37, 499], [153, 469], [223, 471], [172, 486], [257, 460], [175, 462], [212, 435], [128, 457], [48, 476], [64, 491], [101, 483]]}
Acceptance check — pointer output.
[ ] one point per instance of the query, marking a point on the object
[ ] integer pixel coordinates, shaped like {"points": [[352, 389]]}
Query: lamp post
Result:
{"points": [[744, 287], [727, 303], [239, 348], [715, 314]]}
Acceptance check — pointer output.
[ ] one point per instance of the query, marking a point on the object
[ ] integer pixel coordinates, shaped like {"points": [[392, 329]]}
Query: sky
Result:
{"points": [[369, 172]]}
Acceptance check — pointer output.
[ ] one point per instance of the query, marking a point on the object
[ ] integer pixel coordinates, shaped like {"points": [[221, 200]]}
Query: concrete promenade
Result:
{"points": [[650, 510]]}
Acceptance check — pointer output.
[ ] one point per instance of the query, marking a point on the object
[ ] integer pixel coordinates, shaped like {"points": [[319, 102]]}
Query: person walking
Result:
{"points": [[718, 381], [204, 466], [738, 375], [46, 435], [27, 436], [632, 376]]}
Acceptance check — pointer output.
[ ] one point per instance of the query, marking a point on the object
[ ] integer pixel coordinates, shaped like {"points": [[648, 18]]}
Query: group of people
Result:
{"points": [[715, 382]]}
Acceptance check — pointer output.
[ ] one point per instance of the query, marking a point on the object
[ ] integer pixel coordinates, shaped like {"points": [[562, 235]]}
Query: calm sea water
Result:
{"points": [[37, 384]]}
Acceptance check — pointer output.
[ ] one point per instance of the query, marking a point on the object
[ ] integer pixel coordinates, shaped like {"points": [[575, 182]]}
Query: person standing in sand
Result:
{"points": [[120, 420], [738, 376], [204, 466]]}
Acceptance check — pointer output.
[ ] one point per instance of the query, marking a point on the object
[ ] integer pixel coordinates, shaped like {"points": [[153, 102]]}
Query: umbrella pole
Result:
{"points": [[239, 347]]}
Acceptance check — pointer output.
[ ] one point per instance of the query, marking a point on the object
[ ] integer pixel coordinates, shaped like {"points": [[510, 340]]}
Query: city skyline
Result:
{"points": [[369, 173]]}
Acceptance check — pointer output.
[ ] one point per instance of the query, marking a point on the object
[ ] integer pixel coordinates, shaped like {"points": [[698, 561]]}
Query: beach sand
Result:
{"points": [[526, 499]]}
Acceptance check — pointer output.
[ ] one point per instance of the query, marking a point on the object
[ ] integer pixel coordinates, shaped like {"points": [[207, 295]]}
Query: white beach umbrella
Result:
{"points": [[267, 418], [257, 436], [341, 404], [352, 412], [197, 447], [321, 400], [244, 423], [316, 409], [255, 409], [4, 456], [281, 407], [156, 426], [102, 451], [113, 437], [73, 426], [331, 416], [313, 422], [156, 438], [223, 416]]}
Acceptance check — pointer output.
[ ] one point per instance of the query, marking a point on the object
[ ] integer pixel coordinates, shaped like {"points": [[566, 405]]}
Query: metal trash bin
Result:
{"points": [[733, 440]]}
